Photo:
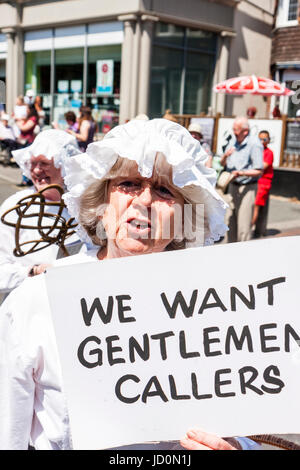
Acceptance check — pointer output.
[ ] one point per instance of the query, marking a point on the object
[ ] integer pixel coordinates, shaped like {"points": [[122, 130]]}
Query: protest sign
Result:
{"points": [[151, 346]]}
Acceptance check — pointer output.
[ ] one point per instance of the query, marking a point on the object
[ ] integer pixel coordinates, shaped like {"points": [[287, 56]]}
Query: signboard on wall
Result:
{"points": [[274, 127], [293, 136], [105, 77]]}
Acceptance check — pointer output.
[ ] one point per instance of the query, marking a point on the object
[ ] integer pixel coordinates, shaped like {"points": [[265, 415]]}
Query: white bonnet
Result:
{"points": [[52, 143], [140, 140]]}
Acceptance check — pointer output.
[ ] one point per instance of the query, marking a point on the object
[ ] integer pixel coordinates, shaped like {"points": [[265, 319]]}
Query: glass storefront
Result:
{"points": [[105, 106], [37, 77], [68, 89], [67, 78], [183, 62]]}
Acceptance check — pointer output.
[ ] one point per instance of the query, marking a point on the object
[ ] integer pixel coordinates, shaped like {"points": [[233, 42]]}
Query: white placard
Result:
{"points": [[105, 77], [256, 126], [151, 346]]}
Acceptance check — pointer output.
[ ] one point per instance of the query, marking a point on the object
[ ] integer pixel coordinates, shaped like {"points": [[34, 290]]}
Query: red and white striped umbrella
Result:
{"points": [[252, 85]]}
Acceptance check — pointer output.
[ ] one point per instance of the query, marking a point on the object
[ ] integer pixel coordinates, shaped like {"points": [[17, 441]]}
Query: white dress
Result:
{"points": [[32, 403], [13, 270]]}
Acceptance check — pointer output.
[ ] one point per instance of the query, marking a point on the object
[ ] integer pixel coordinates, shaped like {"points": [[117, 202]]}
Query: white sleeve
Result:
{"points": [[16, 379], [12, 272]]}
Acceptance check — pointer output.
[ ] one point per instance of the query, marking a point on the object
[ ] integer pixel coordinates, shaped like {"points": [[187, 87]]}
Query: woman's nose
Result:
{"points": [[145, 196]]}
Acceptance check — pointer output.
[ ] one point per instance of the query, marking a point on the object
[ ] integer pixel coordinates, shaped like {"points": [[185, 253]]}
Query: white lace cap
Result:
{"points": [[140, 141], [52, 143]]}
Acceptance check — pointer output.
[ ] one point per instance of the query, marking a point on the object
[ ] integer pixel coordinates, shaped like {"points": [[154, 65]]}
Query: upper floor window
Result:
{"points": [[293, 10], [287, 13]]}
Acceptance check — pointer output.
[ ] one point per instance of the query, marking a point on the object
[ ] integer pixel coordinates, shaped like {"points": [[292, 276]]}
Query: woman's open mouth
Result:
{"points": [[43, 181], [139, 226]]}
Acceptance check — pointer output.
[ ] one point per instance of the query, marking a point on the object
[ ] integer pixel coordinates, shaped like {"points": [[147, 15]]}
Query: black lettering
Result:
{"points": [[162, 342], [187, 310], [111, 350], [269, 285], [217, 303], [264, 338], [238, 343], [182, 347], [105, 317], [158, 392], [289, 331], [208, 341], [248, 383], [173, 390], [195, 389], [144, 352], [94, 352], [123, 308], [234, 292], [219, 383], [272, 380], [118, 389]]}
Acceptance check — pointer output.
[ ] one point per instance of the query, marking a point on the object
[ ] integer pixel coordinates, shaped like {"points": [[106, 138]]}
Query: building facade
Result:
{"points": [[139, 56], [285, 59]]}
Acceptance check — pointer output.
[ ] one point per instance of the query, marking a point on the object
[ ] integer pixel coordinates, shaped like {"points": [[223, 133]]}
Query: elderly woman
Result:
{"points": [[123, 191], [42, 162]]}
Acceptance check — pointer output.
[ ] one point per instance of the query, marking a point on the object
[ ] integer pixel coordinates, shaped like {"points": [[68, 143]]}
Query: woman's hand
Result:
{"points": [[38, 269], [200, 440]]}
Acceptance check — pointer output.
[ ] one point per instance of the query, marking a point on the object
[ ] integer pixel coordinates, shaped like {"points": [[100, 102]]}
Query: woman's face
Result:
{"points": [[142, 215], [43, 173]]}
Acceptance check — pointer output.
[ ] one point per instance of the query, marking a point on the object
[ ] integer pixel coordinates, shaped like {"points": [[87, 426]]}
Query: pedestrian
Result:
{"points": [[260, 213], [87, 128], [38, 103], [243, 158], [276, 113], [71, 120], [43, 163], [196, 131], [7, 137], [27, 135], [20, 109], [27, 126], [147, 183], [251, 112]]}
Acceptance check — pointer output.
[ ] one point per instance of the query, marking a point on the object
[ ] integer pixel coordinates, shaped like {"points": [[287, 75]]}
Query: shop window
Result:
{"points": [[198, 80], [104, 101], [183, 62], [37, 77], [165, 81], [68, 89], [169, 34]]}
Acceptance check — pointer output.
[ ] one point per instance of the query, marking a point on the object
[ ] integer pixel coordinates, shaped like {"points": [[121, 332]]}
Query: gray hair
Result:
{"points": [[242, 122]]}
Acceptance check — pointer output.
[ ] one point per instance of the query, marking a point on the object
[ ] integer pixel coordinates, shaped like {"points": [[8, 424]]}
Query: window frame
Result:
{"points": [[282, 20]]}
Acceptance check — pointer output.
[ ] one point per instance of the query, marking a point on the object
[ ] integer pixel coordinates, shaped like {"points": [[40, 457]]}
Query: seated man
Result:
{"points": [[7, 136]]}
